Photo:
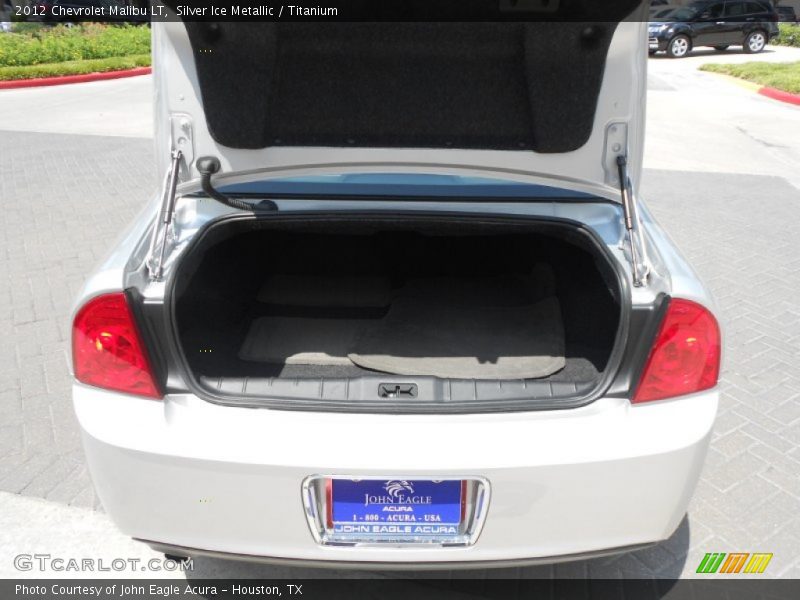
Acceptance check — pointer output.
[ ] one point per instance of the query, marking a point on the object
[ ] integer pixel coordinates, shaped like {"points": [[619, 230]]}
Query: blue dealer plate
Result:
{"points": [[395, 508]]}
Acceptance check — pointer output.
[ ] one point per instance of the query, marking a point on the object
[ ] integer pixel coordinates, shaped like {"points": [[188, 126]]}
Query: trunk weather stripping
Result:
{"points": [[639, 264]]}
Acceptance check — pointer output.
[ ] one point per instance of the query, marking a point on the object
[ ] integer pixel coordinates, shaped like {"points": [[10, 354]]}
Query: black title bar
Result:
{"points": [[141, 11]]}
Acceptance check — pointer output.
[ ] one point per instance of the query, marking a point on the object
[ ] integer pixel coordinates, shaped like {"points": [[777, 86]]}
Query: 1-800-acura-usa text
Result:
{"points": [[397, 301]]}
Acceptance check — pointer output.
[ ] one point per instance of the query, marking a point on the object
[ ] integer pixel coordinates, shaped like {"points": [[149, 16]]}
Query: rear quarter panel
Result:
{"points": [[110, 273]]}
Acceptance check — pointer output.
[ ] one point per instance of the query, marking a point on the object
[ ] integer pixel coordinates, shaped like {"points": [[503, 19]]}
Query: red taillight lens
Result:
{"points": [[685, 356], [107, 350]]}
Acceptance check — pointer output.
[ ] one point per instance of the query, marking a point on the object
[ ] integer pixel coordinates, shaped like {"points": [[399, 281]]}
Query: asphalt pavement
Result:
{"points": [[722, 174], [703, 122]]}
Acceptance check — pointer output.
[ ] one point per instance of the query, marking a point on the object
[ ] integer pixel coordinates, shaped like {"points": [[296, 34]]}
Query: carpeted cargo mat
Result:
{"points": [[464, 327], [326, 291], [420, 338], [297, 340]]}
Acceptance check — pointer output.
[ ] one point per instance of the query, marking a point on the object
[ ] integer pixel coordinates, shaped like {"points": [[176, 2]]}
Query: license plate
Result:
{"points": [[396, 510], [397, 507]]}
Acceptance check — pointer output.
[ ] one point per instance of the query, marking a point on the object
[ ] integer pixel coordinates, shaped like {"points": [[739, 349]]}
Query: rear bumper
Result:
{"points": [[181, 551], [187, 474]]}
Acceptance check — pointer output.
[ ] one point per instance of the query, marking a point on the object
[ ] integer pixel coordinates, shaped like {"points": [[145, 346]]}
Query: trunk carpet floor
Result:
{"points": [[491, 327], [489, 290], [419, 338], [298, 340], [326, 291]]}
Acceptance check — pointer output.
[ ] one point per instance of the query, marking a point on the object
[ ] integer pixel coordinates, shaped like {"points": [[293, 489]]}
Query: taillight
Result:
{"points": [[107, 350], [685, 356]]}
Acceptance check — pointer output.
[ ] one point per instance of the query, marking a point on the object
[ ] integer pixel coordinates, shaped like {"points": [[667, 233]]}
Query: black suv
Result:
{"points": [[716, 23], [786, 14]]}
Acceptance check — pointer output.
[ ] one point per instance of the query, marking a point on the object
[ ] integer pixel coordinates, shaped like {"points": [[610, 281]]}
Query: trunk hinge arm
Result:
{"points": [[639, 263], [158, 242]]}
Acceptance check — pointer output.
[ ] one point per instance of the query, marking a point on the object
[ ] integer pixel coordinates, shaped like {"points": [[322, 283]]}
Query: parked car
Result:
{"points": [[382, 314], [6, 10], [716, 23], [786, 14], [661, 13]]}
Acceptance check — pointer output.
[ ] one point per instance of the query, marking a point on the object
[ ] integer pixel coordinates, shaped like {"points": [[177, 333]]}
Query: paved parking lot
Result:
{"points": [[723, 177]]}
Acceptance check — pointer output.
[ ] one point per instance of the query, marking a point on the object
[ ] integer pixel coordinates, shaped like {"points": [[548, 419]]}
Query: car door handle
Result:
{"points": [[751, 19], [720, 22]]}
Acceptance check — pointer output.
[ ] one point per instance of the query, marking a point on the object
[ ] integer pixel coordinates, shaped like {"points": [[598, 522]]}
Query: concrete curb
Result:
{"points": [[762, 90], [780, 95], [64, 79]]}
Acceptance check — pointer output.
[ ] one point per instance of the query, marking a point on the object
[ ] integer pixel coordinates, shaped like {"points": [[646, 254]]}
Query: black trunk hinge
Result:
{"points": [[633, 227]]}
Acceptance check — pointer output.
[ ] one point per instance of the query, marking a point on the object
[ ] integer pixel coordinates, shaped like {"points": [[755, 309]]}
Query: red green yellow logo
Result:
{"points": [[734, 562]]}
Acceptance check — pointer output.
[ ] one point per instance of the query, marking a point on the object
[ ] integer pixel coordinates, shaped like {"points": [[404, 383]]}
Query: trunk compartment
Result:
{"points": [[323, 311]]}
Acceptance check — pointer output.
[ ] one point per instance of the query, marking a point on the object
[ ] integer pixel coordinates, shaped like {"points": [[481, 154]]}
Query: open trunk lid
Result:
{"points": [[545, 102]]}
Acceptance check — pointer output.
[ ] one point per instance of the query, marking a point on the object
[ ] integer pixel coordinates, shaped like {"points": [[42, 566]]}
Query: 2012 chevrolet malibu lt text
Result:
{"points": [[397, 303]]}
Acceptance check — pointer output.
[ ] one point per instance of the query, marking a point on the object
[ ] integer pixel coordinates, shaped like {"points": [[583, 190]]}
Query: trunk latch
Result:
{"points": [[397, 390]]}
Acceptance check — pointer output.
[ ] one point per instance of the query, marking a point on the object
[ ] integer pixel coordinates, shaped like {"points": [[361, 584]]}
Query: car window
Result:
{"points": [[683, 14], [735, 9], [714, 11], [755, 7]]}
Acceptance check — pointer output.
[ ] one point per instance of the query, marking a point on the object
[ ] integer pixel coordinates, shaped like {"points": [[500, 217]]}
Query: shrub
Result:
{"points": [[75, 67], [789, 35], [47, 45]]}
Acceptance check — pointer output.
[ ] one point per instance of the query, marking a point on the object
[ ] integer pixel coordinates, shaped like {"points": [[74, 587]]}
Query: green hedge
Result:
{"points": [[75, 67], [782, 76], [57, 44], [789, 36]]}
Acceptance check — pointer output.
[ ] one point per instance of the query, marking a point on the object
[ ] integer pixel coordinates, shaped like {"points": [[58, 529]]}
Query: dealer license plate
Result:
{"points": [[346, 510], [396, 508]]}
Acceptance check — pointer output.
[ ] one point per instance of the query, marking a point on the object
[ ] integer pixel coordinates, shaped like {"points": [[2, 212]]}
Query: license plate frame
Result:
{"points": [[331, 503]]}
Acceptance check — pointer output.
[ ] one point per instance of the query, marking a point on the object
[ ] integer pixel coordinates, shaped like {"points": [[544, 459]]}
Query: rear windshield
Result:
{"points": [[399, 185]]}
